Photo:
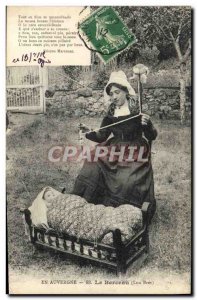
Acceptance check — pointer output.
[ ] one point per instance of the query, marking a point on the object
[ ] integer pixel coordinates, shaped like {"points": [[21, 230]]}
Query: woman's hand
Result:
{"points": [[83, 128], [145, 120]]}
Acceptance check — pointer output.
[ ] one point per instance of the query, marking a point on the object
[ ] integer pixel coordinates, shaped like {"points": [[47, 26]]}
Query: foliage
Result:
{"points": [[163, 26], [101, 78], [73, 73], [163, 78], [149, 55], [155, 26]]}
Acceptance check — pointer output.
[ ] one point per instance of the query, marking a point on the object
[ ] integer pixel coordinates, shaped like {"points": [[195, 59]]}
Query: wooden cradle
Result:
{"points": [[116, 257]]}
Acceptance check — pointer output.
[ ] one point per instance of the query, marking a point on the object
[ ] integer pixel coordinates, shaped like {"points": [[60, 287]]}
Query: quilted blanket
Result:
{"points": [[73, 215]]}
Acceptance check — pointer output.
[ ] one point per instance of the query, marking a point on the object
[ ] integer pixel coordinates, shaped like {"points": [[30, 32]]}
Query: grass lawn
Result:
{"points": [[28, 170]]}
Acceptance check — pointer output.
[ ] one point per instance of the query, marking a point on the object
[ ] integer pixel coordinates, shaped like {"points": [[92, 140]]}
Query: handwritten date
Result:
{"points": [[33, 56]]}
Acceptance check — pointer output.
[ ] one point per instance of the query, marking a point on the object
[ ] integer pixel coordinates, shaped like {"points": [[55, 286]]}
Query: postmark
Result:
{"points": [[104, 32]]}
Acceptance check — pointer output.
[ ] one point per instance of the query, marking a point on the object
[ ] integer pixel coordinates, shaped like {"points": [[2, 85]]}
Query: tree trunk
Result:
{"points": [[182, 92]]}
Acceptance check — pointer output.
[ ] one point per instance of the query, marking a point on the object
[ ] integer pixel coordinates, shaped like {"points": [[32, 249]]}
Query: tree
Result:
{"points": [[163, 27], [174, 25]]}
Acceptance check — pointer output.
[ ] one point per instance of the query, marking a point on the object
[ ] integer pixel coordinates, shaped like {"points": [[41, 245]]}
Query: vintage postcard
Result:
{"points": [[98, 150]]}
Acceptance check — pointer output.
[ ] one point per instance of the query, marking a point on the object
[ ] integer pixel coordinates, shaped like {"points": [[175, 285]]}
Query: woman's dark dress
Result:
{"points": [[115, 183]]}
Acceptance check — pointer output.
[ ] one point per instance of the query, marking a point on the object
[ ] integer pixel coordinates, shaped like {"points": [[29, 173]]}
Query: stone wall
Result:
{"points": [[165, 102], [74, 103], [159, 102]]}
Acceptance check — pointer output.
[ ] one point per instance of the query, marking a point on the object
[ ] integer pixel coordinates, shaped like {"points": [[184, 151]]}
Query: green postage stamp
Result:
{"points": [[105, 33]]}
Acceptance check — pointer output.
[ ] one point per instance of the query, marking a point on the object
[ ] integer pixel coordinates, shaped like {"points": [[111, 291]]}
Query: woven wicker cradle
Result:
{"points": [[116, 257]]}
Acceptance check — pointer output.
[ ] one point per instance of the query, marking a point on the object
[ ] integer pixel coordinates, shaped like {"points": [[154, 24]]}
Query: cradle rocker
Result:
{"points": [[117, 257]]}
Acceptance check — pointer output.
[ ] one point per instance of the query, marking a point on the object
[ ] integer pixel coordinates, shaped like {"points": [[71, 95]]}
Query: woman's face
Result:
{"points": [[117, 96]]}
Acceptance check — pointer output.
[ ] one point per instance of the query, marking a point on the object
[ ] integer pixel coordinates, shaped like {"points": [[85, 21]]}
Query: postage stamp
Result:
{"points": [[105, 33]]}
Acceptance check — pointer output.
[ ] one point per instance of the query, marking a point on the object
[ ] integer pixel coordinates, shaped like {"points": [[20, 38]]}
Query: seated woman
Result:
{"points": [[116, 181]]}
